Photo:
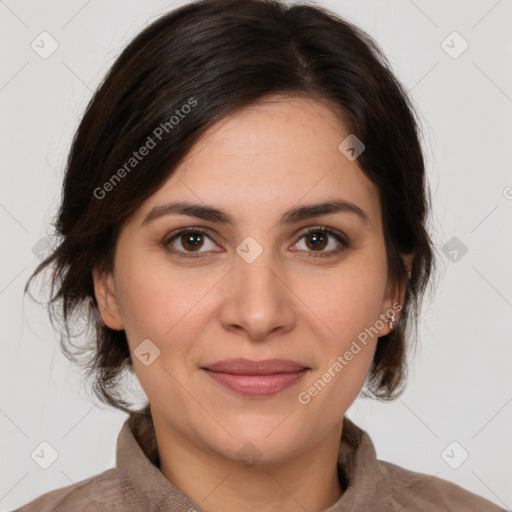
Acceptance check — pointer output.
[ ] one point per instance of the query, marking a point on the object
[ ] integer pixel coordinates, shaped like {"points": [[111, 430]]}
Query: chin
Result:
{"points": [[260, 440]]}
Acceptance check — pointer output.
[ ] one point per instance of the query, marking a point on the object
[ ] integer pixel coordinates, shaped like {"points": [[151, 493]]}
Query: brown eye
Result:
{"points": [[187, 241], [317, 239], [191, 241]]}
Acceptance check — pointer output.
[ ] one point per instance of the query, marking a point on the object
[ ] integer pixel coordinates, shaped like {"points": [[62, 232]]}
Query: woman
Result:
{"points": [[243, 222]]}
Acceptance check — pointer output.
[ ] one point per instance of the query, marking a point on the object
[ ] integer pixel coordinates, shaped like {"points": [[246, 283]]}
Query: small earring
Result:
{"points": [[392, 321]]}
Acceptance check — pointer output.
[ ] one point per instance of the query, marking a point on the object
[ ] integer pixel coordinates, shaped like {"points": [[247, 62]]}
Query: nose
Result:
{"points": [[258, 302]]}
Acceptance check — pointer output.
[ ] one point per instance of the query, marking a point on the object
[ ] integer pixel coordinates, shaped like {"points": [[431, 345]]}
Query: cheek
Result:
{"points": [[166, 308], [161, 303], [348, 319], [144, 305], [346, 300]]}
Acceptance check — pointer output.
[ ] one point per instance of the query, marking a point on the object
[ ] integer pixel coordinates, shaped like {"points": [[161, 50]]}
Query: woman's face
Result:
{"points": [[257, 288]]}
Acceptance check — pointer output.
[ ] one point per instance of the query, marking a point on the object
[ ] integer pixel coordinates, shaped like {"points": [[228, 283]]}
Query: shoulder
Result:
{"points": [[110, 489], [413, 491]]}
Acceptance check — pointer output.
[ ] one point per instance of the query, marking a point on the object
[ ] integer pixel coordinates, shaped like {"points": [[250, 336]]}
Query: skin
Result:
{"points": [[256, 164]]}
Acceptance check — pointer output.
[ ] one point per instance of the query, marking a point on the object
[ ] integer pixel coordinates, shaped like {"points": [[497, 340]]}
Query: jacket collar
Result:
{"points": [[364, 480]]}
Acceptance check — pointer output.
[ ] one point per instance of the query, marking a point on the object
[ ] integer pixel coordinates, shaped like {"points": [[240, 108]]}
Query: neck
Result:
{"points": [[308, 481]]}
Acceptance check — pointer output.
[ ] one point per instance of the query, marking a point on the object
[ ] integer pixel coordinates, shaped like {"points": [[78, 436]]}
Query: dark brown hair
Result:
{"points": [[187, 70]]}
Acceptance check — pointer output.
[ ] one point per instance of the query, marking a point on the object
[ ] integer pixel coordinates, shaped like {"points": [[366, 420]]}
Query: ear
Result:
{"points": [[104, 291], [394, 299]]}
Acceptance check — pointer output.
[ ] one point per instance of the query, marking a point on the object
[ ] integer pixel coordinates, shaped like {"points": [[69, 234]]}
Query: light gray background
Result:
{"points": [[459, 387]]}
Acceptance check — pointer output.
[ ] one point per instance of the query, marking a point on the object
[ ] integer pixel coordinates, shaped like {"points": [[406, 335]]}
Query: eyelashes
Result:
{"points": [[319, 233], [182, 232], [342, 241]]}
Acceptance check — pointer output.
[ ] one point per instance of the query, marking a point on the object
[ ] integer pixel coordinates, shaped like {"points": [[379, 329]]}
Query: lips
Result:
{"points": [[256, 378], [247, 367]]}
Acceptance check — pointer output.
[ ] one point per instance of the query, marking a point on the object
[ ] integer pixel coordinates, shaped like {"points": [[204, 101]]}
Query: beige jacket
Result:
{"points": [[370, 485]]}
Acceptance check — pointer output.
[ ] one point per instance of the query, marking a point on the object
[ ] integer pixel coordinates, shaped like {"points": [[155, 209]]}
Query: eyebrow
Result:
{"points": [[294, 215]]}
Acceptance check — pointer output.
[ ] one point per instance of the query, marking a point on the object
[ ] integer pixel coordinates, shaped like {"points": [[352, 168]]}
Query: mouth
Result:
{"points": [[256, 378]]}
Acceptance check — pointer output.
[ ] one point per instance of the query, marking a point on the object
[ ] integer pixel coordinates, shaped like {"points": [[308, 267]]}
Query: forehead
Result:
{"points": [[268, 157]]}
